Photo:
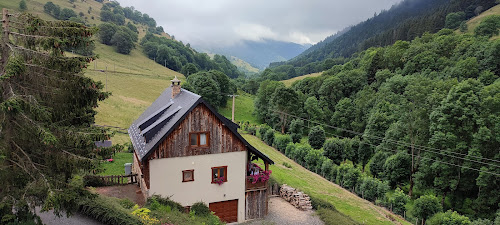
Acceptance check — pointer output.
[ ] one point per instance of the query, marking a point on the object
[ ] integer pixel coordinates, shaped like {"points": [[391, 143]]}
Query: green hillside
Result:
{"points": [[289, 82], [345, 202], [134, 80], [475, 21]]}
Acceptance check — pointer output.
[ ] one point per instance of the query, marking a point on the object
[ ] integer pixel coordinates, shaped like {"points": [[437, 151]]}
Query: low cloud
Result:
{"points": [[225, 22]]}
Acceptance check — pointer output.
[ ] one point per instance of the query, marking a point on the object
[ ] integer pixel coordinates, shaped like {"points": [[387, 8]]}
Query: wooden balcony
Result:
{"points": [[257, 186]]}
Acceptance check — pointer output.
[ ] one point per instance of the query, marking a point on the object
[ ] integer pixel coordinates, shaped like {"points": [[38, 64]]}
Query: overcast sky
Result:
{"points": [[224, 22]]}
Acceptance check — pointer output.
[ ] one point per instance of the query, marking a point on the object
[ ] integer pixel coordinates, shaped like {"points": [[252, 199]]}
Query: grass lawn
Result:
{"points": [[244, 105], [347, 203], [117, 166], [289, 82]]}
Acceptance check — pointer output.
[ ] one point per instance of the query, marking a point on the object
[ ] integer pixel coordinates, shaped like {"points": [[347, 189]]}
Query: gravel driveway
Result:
{"points": [[282, 212]]}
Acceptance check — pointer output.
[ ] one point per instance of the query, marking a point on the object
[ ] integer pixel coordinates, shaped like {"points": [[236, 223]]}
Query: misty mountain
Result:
{"points": [[260, 53]]}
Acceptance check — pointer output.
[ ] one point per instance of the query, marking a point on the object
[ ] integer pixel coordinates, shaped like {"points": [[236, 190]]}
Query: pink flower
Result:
{"points": [[220, 180], [109, 160]]}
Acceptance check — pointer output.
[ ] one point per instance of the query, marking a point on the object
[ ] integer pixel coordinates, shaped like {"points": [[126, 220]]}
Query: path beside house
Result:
{"points": [[282, 212], [50, 218], [130, 191]]}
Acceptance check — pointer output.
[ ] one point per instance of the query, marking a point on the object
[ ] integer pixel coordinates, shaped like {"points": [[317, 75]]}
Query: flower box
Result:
{"points": [[258, 185]]}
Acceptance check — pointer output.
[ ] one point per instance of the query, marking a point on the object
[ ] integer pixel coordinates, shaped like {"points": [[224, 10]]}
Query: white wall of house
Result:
{"points": [[166, 179]]}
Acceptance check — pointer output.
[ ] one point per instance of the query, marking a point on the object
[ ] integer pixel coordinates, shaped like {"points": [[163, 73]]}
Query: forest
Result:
{"points": [[421, 117], [415, 18]]}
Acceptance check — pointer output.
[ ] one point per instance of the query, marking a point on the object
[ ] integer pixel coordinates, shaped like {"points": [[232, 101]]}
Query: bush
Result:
{"points": [[252, 130], [317, 137], [448, 218], [269, 137], [296, 138], [165, 202], [426, 206], [348, 176], [287, 165], [93, 181], [281, 142], [103, 210], [314, 159], [326, 168], [482, 222], [200, 209], [398, 201], [300, 153], [262, 131], [290, 150], [126, 203], [296, 130]]}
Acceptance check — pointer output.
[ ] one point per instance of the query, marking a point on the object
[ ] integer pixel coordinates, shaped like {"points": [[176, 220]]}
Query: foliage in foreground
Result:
{"points": [[46, 112]]}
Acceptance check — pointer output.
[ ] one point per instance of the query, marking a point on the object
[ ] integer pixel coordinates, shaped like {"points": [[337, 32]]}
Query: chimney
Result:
{"points": [[176, 87]]}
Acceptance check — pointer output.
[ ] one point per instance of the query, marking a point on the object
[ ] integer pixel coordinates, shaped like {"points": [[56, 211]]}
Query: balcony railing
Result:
{"points": [[258, 185]]}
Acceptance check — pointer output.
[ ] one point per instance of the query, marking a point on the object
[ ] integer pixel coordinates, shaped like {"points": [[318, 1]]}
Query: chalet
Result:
{"points": [[186, 150]]}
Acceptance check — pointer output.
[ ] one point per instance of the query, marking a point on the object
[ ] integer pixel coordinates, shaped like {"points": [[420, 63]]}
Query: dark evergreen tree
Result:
{"points": [[47, 112]]}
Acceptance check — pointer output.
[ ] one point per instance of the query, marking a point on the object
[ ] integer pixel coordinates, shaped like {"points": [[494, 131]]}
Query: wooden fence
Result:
{"points": [[117, 179]]}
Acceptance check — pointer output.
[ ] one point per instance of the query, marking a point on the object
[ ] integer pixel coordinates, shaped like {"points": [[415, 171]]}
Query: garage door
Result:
{"points": [[227, 211]]}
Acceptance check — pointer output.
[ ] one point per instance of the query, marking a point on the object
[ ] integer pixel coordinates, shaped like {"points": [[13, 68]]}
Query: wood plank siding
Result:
{"points": [[256, 204], [177, 143]]}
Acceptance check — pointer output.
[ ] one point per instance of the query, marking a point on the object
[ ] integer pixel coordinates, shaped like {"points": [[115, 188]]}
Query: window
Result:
{"points": [[199, 139], [187, 175], [218, 172]]}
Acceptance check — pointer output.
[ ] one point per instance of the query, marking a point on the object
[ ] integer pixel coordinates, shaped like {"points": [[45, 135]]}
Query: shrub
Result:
{"points": [[296, 137], [348, 176], [333, 174], [317, 137], [313, 159], [93, 181], [448, 218], [398, 201], [287, 165], [482, 222], [290, 150], [165, 202], [296, 130], [103, 210], [426, 206], [300, 153], [281, 142], [262, 131], [326, 168], [269, 137], [252, 130], [126, 203], [200, 209]]}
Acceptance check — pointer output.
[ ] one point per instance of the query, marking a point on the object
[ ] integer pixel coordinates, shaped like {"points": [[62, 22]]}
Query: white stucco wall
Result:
{"points": [[166, 179]]}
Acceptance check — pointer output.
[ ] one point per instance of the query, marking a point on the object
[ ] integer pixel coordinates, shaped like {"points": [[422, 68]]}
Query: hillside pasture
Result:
{"points": [[289, 82]]}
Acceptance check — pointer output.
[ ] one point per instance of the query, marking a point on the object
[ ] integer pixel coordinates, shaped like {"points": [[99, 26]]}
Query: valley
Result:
{"points": [[375, 123]]}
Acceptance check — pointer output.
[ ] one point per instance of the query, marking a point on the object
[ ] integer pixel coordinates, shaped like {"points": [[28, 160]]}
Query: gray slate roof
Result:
{"points": [[165, 114]]}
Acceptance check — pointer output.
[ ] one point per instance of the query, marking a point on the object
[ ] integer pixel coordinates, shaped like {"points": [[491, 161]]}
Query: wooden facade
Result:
{"points": [[177, 143], [256, 203]]}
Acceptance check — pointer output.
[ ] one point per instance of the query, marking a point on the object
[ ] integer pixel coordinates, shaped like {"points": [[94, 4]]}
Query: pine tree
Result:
{"points": [[46, 116], [22, 5]]}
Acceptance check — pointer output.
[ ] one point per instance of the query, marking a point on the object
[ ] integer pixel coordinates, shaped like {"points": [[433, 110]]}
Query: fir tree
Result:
{"points": [[46, 112]]}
